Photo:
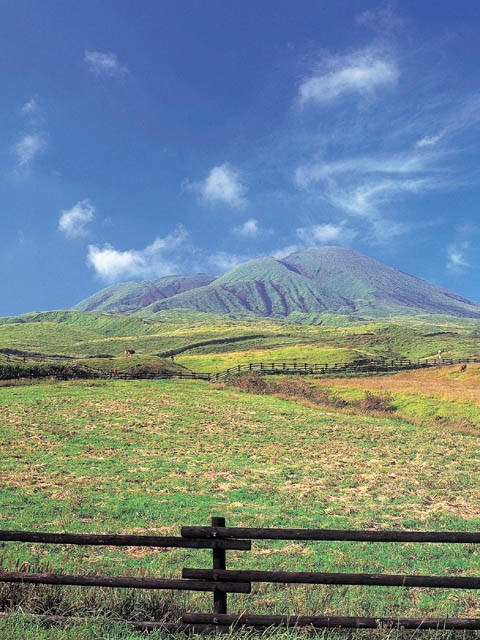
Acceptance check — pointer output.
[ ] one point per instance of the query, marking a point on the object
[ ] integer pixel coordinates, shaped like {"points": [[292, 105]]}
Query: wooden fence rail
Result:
{"points": [[220, 581], [294, 367]]}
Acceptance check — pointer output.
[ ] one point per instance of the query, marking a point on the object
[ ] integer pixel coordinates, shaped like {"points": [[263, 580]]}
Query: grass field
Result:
{"points": [[113, 456], [442, 396], [143, 457]]}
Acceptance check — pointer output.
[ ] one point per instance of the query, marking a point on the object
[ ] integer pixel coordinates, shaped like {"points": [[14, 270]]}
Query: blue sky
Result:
{"points": [[145, 138]]}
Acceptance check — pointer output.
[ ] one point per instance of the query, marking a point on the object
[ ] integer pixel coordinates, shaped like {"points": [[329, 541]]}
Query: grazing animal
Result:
{"points": [[113, 373], [463, 368], [129, 352]]}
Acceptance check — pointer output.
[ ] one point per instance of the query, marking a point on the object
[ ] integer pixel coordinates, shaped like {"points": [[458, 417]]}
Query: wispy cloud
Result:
{"points": [[73, 222], [364, 185], [223, 185], [362, 72], [103, 63], [157, 259], [457, 257], [31, 107], [428, 141], [28, 148], [32, 141]]}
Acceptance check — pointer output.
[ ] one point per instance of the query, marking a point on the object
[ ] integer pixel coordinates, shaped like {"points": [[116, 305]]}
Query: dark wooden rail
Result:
{"points": [[220, 581], [310, 577], [225, 620], [336, 622], [123, 540], [217, 546], [337, 535]]}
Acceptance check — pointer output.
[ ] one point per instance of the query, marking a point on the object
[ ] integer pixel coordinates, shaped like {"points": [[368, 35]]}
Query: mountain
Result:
{"points": [[333, 280], [128, 297]]}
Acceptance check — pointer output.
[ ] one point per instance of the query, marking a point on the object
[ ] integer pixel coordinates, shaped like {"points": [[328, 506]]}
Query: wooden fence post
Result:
{"points": [[219, 562]]}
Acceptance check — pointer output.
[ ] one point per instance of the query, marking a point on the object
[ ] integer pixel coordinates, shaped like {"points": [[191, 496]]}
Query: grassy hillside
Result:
{"points": [[211, 343], [145, 457], [127, 297]]}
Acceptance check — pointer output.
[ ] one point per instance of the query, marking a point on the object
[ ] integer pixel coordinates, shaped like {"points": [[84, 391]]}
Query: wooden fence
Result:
{"points": [[354, 367], [220, 581]]}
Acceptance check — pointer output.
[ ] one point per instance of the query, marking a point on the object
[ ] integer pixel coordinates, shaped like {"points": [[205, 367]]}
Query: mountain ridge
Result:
{"points": [[326, 279]]}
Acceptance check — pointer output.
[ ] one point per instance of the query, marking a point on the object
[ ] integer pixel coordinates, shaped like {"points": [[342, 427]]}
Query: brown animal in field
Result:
{"points": [[113, 373], [129, 352], [463, 368]]}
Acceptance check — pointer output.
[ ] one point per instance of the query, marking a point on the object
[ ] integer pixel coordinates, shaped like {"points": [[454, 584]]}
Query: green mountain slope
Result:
{"points": [[375, 288], [264, 287], [319, 280], [128, 297]]}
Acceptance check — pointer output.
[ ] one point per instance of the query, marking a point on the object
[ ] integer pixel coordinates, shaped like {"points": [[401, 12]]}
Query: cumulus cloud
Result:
{"points": [[73, 222], [326, 234], [103, 63], [157, 259], [28, 148], [223, 185], [249, 229], [362, 72]]}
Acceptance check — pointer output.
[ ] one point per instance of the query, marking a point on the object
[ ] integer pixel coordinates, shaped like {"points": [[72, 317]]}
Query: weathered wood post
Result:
{"points": [[219, 562]]}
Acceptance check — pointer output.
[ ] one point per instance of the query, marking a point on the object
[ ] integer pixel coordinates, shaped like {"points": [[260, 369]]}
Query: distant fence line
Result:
{"points": [[355, 366], [293, 367], [220, 581]]}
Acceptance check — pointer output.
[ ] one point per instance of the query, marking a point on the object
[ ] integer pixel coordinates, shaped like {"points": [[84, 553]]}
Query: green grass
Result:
{"points": [[78, 335], [144, 457], [214, 363]]}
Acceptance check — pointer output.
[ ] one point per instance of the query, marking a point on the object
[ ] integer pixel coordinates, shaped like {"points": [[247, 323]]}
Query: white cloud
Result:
{"points": [[223, 261], [326, 234], [392, 165], [30, 107], [73, 222], [155, 260], [428, 141], [249, 229], [104, 63], [286, 251], [385, 230], [362, 72], [223, 185], [365, 185], [28, 148], [368, 199], [457, 256]]}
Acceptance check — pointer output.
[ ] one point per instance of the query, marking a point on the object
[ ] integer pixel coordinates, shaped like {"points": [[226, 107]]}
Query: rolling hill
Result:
{"points": [[332, 280], [128, 297]]}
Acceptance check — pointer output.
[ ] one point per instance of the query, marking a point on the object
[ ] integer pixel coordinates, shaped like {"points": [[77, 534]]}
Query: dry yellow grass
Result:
{"points": [[446, 383]]}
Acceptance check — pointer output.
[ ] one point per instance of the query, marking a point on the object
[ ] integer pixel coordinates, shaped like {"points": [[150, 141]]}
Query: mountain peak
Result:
{"points": [[331, 279]]}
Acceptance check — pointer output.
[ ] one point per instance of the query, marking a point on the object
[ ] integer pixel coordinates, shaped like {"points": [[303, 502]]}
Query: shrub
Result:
{"points": [[294, 387], [378, 402], [251, 382]]}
